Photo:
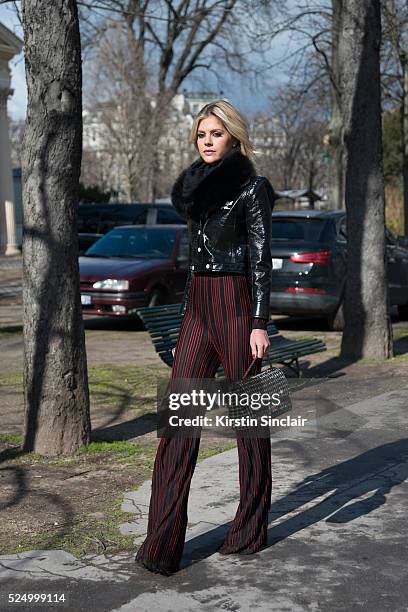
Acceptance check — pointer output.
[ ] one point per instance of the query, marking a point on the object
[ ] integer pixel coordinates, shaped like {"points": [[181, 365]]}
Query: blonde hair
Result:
{"points": [[232, 120]]}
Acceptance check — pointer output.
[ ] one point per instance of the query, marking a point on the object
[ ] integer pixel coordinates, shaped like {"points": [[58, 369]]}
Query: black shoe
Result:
{"points": [[156, 567]]}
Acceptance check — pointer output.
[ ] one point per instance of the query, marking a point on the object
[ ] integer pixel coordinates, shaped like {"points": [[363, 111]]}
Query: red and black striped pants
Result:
{"points": [[216, 329]]}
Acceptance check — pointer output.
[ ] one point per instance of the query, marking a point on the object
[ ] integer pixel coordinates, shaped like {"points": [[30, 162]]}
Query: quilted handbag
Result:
{"points": [[271, 384]]}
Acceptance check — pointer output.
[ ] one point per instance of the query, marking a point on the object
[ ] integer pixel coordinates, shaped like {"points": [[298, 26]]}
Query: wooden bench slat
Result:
{"points": [[163, 324]]}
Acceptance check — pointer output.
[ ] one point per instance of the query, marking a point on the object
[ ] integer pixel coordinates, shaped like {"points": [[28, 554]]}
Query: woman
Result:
{"points": [[226, 308]]}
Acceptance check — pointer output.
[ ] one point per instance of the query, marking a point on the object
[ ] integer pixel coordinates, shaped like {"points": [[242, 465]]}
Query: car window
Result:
{"points": [[88, 219], [102, 218], [184, 247], [342, 229], [303, 230], [151, 218], [167, 215], [122, 215], [133, 214], [137, 242]]}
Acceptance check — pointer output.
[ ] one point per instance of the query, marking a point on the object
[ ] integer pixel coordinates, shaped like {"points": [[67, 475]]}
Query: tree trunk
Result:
{"points": [[367, 330], [404, 136], [145, 169], [334, 136], [56, 397]]}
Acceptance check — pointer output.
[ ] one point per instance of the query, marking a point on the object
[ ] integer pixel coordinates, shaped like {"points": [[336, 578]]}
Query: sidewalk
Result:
{"points": [[9, 262], [10, 290], [337, 535]]}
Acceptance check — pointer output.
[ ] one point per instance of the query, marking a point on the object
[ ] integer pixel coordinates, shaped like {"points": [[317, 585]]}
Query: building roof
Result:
{"points": [[10, 44]]}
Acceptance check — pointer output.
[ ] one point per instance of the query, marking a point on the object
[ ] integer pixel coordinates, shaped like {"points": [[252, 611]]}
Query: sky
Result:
{"points": [[234, 89]]}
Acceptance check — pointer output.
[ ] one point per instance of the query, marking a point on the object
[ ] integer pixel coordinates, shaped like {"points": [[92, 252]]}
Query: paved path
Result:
{"points": [[337, 536], [10, 277], [11, 288], [8, 263]]}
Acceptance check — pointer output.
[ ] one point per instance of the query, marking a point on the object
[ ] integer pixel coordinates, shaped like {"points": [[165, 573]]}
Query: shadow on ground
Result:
{"points": [[372, 474]]}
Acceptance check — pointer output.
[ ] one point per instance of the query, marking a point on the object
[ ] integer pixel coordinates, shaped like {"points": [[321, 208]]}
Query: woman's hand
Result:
{"points": [[259, 342]]}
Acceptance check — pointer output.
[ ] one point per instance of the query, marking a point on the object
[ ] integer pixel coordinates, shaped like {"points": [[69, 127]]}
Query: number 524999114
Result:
{"points": [[36, 597]]}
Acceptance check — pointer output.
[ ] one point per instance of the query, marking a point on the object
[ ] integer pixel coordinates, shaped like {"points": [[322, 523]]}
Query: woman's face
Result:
{"points": [[213, 139]]}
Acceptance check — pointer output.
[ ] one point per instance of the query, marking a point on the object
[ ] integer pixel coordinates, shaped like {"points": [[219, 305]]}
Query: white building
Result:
{"points": [[10, 45], [97, 136]]}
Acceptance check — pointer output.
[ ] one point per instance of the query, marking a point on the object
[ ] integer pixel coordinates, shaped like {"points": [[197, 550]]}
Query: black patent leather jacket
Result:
{"points": [[236, 237]]}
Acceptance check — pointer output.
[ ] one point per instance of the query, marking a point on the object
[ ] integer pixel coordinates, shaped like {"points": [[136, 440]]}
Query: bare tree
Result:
{"points": [[55, 373], [367, 330], [146, 53], [395, 77], [316, 65], [333, 137], [95, 170], [292, 154], [16, 130]]}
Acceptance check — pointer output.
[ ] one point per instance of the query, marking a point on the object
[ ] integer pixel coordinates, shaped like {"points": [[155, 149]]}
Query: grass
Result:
{"points": [[136, 379], [12, 379], [126, 387], [96, 530], [11, 438], [107, 446], [204, 453], [121, 386], [400, 332], [87, 456], [123, 452], [403, 358], [398, 358], [88, 534], [93, 454]]}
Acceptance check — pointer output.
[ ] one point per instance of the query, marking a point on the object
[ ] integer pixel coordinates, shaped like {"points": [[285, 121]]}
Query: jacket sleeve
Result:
{"points": [[258, 323], [258, 212], [188, 282], [186, 291]]}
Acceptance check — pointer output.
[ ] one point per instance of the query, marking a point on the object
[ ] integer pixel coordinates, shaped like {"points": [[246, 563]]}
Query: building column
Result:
{"points": [[8, 237]]}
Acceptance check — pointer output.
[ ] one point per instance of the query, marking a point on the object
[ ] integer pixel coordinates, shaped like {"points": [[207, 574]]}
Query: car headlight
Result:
{"points": [[112, 283]]}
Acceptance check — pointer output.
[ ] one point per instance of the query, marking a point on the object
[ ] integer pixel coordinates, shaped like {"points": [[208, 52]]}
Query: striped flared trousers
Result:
{"points": [[215, 329]]}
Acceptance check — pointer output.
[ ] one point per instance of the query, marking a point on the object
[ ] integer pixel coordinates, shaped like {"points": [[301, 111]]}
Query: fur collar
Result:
{"points": [[202, 188]]}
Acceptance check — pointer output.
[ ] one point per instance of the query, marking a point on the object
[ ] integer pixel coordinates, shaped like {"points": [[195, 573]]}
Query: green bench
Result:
{"points": [[163, 324]]}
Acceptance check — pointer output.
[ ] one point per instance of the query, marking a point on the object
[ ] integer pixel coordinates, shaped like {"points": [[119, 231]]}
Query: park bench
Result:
{"points": [[163, 324]]}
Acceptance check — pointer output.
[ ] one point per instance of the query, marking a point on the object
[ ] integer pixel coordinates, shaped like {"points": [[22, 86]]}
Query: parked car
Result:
{"points": [[134, 265], [309, 265], [94, 220], [86, 240]]}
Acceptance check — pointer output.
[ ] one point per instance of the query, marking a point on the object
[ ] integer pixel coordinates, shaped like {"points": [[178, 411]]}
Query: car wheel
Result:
{"points": [[336, 320], [403, 312], [157, 298]]}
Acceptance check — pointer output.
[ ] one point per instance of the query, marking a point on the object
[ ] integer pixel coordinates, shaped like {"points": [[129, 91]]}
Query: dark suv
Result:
{"points": [[309, 265], [95, 220]]}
